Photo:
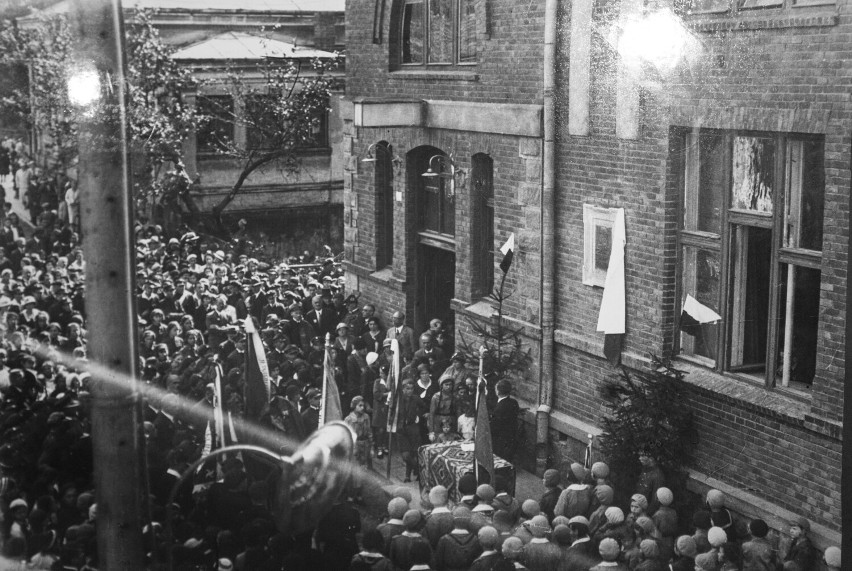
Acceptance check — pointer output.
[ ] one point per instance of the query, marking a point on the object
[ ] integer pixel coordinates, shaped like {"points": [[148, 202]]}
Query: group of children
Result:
{"points": [[575, 529]]}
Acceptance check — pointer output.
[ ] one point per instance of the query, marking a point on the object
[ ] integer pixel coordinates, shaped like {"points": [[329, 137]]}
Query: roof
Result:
{"points": [[241, 46], [272, 6], [245, 5]]}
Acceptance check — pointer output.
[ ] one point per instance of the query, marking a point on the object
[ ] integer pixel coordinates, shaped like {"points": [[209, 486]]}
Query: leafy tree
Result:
{"points": [[158, 119], [281, 104], [646, 414]]}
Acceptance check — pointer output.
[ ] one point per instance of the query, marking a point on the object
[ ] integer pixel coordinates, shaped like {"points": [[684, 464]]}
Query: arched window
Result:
{"points": [[384, 204], [482, 200], [434, 32]]}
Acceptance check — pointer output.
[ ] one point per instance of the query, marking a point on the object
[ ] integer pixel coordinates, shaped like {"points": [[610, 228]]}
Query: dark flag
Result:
{"points": [[611, 319], [483, 451], [330, 408], [256, 391], [508, 250]]}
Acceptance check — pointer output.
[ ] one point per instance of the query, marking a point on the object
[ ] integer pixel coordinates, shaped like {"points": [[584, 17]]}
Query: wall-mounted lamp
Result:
{"points": [[437, 164], [373, 152]]}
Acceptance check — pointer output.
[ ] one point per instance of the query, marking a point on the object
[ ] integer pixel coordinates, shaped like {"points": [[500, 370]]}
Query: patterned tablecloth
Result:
{"points": [[445, 463]]}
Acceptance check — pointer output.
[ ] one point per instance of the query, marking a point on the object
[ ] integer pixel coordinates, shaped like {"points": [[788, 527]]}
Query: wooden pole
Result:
{"points": [[98, 91]]}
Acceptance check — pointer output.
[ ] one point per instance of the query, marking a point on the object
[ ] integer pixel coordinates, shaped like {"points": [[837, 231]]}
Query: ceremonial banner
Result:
{"points": [[330, 408], [256, 391], [394, 388]]}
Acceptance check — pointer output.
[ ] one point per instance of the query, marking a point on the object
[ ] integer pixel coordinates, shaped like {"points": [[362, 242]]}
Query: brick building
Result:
{"points": [[720, 129], [294, 210]]}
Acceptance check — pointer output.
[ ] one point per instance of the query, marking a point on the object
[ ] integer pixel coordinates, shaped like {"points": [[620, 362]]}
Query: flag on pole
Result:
{"points": [[611, 319], [256, 391], [330, 408], [394, 388], [483, 451], [694, 314], [508, 250], [218, 418]]}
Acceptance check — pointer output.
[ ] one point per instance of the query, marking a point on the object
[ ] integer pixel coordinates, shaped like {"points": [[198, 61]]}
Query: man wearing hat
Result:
{"points": [[310, 416], [256, 300], [298, 330]]}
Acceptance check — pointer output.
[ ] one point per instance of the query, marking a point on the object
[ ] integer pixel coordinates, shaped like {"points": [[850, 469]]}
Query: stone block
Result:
{"points": [[529, 147], [529, 194], [532, 169]]}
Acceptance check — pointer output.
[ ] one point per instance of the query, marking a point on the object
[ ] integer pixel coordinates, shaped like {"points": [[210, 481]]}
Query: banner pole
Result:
{"points": [[389, 455]]}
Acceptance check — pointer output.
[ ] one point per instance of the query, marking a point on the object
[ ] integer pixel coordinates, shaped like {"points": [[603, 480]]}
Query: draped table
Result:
{"points": [[446, 463]]}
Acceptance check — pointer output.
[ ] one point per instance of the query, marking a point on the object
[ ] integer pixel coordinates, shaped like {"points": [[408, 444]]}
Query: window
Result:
{"points": [[263, 131], [597, 243], [740, 191], [438, 32], [482, 184], [437, 197], [218, 130], [384, 205]]}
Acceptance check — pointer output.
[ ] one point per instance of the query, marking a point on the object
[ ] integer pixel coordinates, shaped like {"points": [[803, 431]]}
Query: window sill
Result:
{"points": [[744, 392], [816, 16], [427, 74]]}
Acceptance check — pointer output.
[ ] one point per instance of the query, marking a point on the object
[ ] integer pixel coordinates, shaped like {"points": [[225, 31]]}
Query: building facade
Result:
{"points": [[292, 210], [719, 130]]}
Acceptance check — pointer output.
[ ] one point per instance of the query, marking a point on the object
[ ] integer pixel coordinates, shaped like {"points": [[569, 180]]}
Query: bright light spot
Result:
{"points": [[658, 38], [84, 87]]}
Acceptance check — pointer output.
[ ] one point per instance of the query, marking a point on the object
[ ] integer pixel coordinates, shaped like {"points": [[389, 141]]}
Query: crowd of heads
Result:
{"points": [[574, 525]]}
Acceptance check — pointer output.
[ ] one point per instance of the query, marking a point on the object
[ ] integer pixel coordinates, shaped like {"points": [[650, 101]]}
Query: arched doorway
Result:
{"points": [[434, 235]]}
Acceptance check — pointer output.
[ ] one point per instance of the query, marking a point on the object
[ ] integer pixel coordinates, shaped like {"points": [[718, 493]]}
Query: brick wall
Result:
{"points": [[778, 71]]}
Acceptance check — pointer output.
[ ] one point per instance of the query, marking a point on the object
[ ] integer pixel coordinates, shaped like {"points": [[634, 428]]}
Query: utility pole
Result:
{"points": [[97, 88]]}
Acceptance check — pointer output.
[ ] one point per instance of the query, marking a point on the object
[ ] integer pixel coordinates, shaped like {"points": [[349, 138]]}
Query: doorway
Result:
{"points": [[436, 287]]}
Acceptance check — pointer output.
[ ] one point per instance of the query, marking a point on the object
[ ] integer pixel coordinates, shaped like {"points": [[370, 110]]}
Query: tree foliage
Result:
{"points": [[43, 105], [158, 120], [281, 104], [646, 414], [505, 352]]}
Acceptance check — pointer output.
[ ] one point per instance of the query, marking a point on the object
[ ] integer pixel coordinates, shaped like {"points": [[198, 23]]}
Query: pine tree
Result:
{"points": [[647, 414]]}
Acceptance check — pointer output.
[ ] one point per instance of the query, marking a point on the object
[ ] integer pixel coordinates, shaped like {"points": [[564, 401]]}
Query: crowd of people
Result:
{"points": [[578, 528], [194, 299]]}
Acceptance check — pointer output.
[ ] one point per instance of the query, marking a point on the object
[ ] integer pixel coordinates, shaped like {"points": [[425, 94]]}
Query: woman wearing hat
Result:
{"points": [[359, 421], [442, 408]]}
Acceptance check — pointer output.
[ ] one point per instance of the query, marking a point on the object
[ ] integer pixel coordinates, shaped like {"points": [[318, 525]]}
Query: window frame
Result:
{"points": [[721, 244], [206, 150], [483, 249], [455, 33], [595, 217]]}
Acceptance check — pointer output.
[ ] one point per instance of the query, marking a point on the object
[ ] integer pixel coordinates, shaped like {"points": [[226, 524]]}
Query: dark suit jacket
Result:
{"points": [[324, 323], [406, 339], [504, 426]]}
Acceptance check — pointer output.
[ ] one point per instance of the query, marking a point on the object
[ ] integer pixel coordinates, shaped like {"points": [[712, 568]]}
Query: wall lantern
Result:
{"points": [[375, 149], [437, 166]]}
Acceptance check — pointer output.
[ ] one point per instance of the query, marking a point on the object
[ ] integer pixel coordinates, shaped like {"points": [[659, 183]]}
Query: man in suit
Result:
{"points": [[256, 300], [504, 421], [321, 318], [404, 336]]}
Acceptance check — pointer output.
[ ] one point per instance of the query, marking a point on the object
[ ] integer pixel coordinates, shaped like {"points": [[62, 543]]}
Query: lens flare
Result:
{"points": [[84, 87]]}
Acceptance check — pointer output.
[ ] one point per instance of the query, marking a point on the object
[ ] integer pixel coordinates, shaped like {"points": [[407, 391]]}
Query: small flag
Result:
{"points": [[394, 388], [256, 391], [587, 457], [611, 319], [330, 408], [695, 313], [483, 450], [508, 250]]}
